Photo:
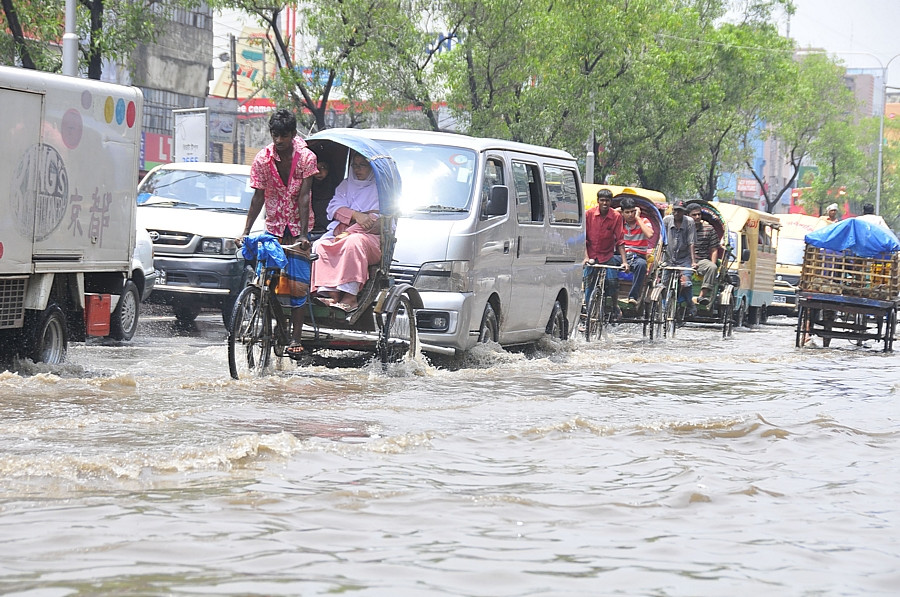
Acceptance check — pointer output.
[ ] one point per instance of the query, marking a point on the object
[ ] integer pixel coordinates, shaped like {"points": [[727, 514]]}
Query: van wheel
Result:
{"points": [[47, 341], [186, 311], [490, 326], [556, 327], [124, 320]]}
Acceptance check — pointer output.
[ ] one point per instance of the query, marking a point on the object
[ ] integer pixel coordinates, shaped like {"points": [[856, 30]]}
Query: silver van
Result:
{"points": [[491, 234]]}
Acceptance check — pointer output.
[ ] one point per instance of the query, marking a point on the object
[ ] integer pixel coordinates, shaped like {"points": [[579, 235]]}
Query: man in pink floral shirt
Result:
{"points": [[282, 176]]}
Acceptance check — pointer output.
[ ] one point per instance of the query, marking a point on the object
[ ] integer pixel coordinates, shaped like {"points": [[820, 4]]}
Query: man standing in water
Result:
{"points": [[282, 176]]}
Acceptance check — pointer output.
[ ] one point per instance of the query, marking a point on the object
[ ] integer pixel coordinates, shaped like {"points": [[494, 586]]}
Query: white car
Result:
{"points": [[123, 321]]}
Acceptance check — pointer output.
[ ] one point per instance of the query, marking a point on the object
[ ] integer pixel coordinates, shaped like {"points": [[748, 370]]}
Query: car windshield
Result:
{"points": [[435, 178], [790, 251], [196, 190]]}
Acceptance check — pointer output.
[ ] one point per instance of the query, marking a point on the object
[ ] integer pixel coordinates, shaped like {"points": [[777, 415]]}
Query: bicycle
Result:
{"points": [[595, 310], [673, 285], [259, 325]]}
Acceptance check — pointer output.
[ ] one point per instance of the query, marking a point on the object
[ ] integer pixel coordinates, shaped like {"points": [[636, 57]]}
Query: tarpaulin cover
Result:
{"points": [[860, 238], [264, 247]]}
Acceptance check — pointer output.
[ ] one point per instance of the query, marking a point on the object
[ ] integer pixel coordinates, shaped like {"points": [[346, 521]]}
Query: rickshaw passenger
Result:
{"points": [[604, 236], [637, 234], [282, 176], [351, 243], [680, 239], [706, 252], [323, 186]]}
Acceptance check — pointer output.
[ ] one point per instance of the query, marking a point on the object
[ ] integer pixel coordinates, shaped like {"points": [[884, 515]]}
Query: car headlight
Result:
{"points": [[217, 246], [444, 276]]}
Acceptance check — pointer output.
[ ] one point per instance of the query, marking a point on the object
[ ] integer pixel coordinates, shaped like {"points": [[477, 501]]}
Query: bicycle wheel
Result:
{"points": [[656, 320], [593, 328], [398, 336], [671, 312], [249, 339]]}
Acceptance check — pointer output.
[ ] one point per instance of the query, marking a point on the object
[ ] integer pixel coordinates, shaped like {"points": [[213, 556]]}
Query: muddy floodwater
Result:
{"points": [[692, 466]]}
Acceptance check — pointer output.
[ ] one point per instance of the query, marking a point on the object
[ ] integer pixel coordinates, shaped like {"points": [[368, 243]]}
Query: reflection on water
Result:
{"points": [[695, 466]]}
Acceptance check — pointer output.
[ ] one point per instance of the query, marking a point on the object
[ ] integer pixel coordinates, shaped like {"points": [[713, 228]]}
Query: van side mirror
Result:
{"points": [[745, 255], [498, 202]]}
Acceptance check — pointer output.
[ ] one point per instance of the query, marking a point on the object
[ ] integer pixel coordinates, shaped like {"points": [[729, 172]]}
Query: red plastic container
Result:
{"points": [[96, 314]]}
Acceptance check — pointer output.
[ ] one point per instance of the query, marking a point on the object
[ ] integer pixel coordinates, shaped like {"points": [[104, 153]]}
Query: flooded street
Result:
{"points": [[693, 466]]}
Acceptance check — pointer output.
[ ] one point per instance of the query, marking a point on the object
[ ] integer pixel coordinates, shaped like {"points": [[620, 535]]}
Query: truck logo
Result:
{"points": [[40, 191]]}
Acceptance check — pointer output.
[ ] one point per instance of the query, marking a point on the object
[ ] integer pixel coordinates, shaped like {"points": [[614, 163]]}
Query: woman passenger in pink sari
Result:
{"points": [[351, 243]]}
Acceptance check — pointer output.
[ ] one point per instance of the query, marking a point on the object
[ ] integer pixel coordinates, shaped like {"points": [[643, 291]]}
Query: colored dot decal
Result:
{"points": [[1, 250], [72, 127], [120, 111], [108, 108], [87, 100], [130, 114]]}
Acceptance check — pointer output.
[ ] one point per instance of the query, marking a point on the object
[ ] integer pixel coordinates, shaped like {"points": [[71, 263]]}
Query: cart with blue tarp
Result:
{"points": [[849, 285]]}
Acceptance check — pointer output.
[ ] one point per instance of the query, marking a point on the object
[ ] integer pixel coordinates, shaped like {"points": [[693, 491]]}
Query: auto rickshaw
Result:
{"points": [[597, 314], [754, 236]]}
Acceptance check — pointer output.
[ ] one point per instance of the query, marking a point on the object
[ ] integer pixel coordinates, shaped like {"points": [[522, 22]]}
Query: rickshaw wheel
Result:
{"points": [[740, 315], [728, 321], [593, 325], [249, 336], [398, 336]]}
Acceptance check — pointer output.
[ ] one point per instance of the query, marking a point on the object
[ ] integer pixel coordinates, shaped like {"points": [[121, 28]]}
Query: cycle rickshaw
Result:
{"points": [[720, 309], [598, 313], [384, 322]]}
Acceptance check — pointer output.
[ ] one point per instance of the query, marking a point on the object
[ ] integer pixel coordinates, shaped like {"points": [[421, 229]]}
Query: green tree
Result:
{"points": [[800, 114], [108, 30]]}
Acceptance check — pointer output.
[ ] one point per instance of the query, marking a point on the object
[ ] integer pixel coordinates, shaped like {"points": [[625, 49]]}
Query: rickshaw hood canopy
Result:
{"points": [[387, 177]]}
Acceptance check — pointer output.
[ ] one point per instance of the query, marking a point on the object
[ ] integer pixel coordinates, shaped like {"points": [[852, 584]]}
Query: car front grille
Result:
{"points": [[404, 273]]}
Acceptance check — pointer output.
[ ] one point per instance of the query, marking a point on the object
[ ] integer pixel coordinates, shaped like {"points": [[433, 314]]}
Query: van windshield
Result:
{"points": [[196, 190], [790, 251], [435, 178]]}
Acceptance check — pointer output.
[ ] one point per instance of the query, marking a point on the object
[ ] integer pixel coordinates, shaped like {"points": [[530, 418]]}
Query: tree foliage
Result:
{"points": [[107, 30]]}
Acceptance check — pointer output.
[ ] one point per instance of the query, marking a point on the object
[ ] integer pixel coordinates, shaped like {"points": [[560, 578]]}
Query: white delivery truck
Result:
{"points": [[68, 179]]}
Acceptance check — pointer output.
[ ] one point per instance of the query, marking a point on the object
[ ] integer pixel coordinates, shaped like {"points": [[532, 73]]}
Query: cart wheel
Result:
{"points": [[802, 326], [249, 339], [398, 336], [593, 326], [656, 320], [890, 330]]}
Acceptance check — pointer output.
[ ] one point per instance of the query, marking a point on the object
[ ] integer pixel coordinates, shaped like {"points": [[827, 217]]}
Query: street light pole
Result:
{"points": [[884, 73]]}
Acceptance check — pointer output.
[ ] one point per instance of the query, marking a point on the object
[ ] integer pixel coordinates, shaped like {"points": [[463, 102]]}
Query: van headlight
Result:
{"points": [[217, 246], [444, 276]]}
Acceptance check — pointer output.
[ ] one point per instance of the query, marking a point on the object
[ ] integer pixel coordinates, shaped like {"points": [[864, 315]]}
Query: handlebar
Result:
{"points": [[604, 266]]}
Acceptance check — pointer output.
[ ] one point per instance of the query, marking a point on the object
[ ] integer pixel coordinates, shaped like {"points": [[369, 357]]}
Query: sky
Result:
{"points": [[850, 30]]}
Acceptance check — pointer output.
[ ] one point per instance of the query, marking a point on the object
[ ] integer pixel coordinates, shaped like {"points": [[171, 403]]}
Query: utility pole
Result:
{"points": [[233, 41]]}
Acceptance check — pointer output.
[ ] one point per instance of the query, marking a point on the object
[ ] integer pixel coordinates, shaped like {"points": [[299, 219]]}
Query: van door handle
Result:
{"points": [[518, 246], [506, 248]]}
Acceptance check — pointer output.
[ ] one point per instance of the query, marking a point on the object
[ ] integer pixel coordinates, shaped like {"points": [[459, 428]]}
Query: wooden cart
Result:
{"points": [[846, 296]]}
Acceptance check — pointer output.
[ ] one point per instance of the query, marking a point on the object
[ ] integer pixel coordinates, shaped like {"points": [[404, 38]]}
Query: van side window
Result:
{"points": [[493, 176], [529, 196], [562, 190]]}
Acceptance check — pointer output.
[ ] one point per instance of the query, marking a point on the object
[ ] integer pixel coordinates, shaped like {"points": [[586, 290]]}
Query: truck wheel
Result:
{"points": [[47, 341], [124, 320], [186, 311]]}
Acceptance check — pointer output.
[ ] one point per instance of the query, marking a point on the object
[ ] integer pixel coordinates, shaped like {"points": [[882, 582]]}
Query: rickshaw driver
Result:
{"points": [[281, 175], [680, 238], [637, 234], [706, 252], [604, 236]]}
